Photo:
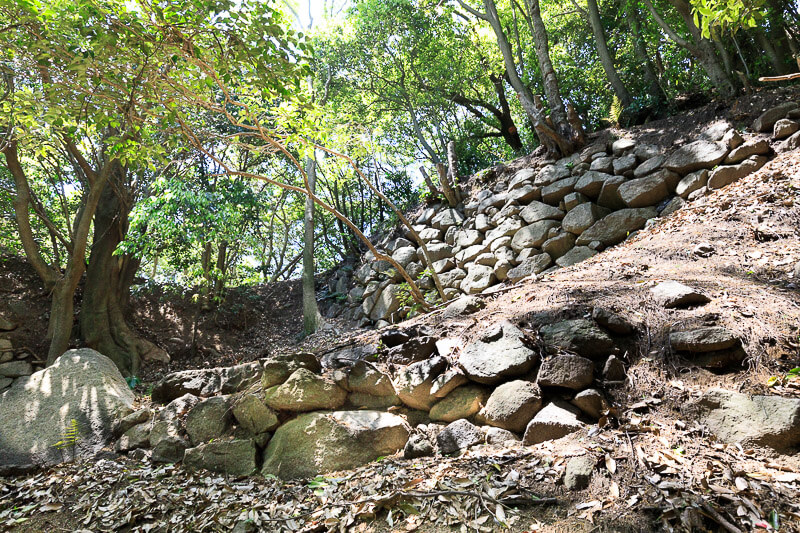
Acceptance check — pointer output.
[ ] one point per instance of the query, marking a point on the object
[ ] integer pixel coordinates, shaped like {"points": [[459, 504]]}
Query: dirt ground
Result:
{"points": [[657, 470]]}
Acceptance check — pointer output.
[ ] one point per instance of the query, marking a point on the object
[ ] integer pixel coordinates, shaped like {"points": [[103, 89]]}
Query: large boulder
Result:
{"points": [[722, 176], [696, 156], [535, 264], [37, 410], [479, 277], [305, 391], [580, 336], [234, 457], [536, 211], [500, 353], [766, 121], [770, 421], [207, 382], [512, 405], [615, 228], [582, 217], [316, 443]]}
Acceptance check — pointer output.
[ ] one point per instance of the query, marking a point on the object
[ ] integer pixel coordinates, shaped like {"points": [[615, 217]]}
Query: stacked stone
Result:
{"points": [[14, 363], [541, 219], [293, 416]]}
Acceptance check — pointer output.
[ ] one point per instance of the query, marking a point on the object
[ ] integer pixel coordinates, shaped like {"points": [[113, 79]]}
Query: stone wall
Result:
{"points": [[554, 215]]}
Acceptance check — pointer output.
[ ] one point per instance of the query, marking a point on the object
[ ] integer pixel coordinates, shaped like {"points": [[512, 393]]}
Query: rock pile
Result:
{"points": [[553, 216], [292, 417], [14, 363]]}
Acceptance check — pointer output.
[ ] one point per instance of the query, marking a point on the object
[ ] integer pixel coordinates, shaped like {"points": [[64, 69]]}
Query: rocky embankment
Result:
{"points": [[553, 215], [299, 415]]}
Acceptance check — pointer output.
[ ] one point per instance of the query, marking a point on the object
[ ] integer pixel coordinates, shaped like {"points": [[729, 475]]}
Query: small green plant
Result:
{"points": [[791, 375], [70, 438], [132, 381]]}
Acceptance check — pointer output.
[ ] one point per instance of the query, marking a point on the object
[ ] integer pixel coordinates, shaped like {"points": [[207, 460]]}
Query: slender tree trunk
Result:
{"points": [[311, 316], [642, 56], [507, 126], [221, 268], [772, 54], [552, 92], [606, 59], [106, 292]]}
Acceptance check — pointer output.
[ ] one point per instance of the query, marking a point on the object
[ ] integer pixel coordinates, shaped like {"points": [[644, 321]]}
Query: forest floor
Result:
{"points": [[657, 469]]}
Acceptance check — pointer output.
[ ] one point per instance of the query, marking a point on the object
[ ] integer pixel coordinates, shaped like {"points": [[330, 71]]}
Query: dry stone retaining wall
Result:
{"points": [[553, 216]]}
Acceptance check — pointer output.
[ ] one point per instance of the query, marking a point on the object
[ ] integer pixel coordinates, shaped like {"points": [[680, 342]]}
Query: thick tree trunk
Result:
{"points": [[507, 126], [771, 51], [606, 59], [311, 316], [105, 296]]}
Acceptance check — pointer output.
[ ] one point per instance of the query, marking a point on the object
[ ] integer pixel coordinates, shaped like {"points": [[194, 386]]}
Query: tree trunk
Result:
{"points": [[552, 92], [772, 53], [640, 51], [507, 126], [108, 278], [604, 53], [556, 143], [311, 316]]}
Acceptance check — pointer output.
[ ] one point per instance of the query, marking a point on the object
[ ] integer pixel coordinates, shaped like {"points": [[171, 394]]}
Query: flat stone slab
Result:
{"points": [[770, 421], [703, 340], [566, 371], [672, 294]]}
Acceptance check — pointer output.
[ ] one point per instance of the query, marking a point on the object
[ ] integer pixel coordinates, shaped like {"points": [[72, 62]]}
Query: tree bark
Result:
{"points": [[640, 51], [311, 316], [606, 59], [108, 278]]}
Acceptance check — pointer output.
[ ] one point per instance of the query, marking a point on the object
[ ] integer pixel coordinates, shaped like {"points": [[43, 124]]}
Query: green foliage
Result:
{"points": [[727, 15], [70, 437]]}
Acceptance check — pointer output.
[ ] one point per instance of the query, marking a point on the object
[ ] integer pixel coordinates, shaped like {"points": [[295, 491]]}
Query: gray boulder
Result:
{"points": [[766, 121], [305, 391], [253, 415], [457, 436], [614, 369], [591, 183], [530, 266], [696, 156], [532, 236], [555, 192], [579, 472], [703, 340], [134, 438], [479, 277], [784, 128], [576, 255], [591, 402], [609, 194], [37, 410], [582, 217], [536, 211], [207, 382], [512, 405], [15, 369], [642, 192], [579, 336], [770, 421], [649, 166], [209, 419], [692, 182], [556, 420], [671, 295], [746, 150], [624, 165], [387, 303], [559, 245], [613, 322], [498, 354], [722, 176], [566, 371], [615, 228], [233, 457], [317, 443]]}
